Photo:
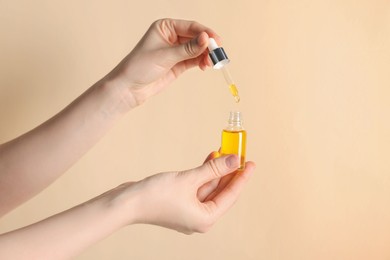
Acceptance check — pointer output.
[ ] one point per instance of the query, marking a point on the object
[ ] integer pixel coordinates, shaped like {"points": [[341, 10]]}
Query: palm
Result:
{"points": [[162, 55]]}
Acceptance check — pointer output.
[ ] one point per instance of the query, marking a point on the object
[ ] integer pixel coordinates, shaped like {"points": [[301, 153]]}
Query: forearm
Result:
{"points": [[32, 161], [65, 235], [186, 201]]}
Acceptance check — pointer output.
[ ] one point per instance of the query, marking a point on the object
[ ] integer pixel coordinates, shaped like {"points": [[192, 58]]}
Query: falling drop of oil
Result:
{"points": [[234, 91]]}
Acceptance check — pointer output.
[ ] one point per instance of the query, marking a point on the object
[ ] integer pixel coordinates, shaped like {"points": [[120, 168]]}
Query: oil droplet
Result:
{"points": [[234, 91]]}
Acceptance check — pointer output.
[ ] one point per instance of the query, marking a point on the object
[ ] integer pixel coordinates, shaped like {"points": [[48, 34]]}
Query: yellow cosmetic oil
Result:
{"points": [[234, 92], [234, 138]]}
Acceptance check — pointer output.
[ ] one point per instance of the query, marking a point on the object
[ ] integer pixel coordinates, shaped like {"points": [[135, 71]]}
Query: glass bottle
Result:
{"points": [[234, 138]]}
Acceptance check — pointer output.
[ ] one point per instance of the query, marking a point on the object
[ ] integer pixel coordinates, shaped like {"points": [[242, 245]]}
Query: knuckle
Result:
{"points": [[161, 21], [190, 49], [194, 25], [157, 23], [165, 27], [214, 169]]}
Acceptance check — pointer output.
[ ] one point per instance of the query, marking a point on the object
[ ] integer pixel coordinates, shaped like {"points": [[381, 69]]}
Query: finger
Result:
{"points": [[215, 169], [207, 189], [205, 62], [226, 198], [181, 39], [184, 65], [223, 182], [202, 59], [190, 29], [190, 49], [212, 155]]}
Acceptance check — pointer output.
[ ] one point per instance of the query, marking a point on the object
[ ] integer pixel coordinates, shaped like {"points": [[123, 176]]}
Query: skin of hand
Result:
{"points": [[178, 200], [167, 49], [209, 190], [32, 161], [186, 201]]}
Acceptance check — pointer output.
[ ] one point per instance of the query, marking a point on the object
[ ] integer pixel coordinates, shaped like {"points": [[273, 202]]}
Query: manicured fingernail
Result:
{"points": [[232, 161]]}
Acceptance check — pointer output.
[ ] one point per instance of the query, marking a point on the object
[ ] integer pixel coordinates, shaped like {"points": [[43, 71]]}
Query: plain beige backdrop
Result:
{"points": [[314, 82]]}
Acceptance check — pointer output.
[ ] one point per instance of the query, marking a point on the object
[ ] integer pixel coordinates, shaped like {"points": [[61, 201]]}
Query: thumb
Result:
{"points": [[216, 168], [192, 48]]}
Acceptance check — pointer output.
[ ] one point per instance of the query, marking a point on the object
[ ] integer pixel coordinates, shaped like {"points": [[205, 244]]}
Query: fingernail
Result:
{"points": [[232, 161]]}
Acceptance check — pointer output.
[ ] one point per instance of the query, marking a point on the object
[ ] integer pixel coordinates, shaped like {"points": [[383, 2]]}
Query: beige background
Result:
{"points": [[314, 81]]}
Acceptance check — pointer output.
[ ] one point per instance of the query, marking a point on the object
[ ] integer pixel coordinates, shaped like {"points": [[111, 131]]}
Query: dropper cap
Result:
{"points": [[217, 54]]}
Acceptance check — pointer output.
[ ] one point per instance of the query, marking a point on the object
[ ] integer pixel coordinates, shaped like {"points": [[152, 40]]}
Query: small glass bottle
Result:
{"points": [[234, 138]]}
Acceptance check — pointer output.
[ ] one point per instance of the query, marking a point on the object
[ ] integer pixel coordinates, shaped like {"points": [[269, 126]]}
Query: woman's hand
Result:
{"points": [[185, 201], [167, 49]]}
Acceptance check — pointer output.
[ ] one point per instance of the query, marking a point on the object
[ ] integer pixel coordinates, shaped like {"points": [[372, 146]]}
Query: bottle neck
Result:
{"points": [[235, 121]]}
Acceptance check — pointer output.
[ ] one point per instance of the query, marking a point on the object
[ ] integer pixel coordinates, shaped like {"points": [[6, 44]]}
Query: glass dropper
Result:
{"points": [[220, 60]]}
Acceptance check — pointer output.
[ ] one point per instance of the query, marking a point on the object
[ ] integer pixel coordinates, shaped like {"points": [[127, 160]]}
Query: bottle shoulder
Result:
{"points": [[234, 129]]}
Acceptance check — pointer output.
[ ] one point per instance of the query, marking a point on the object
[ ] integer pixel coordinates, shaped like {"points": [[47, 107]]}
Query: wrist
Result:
{"points": [[121, 202], [121, 99]]}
